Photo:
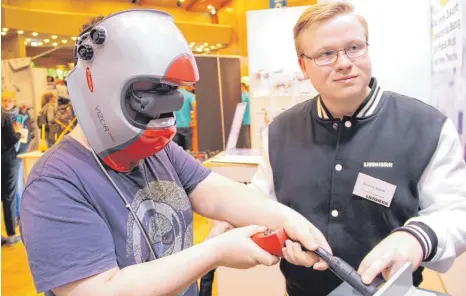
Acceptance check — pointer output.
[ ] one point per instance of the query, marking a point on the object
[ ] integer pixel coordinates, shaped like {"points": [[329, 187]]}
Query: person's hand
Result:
{"points": [[218, 228], [302, 231], [390, 255], [236, 249]]}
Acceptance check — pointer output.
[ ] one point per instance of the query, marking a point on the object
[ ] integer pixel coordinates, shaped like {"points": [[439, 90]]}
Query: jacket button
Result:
{"points": [[335, 213], [348, 124], [338, 167], [335, 126]]}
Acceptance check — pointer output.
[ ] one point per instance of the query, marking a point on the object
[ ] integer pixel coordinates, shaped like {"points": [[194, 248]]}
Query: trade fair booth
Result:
{"points": [[417, 48]]}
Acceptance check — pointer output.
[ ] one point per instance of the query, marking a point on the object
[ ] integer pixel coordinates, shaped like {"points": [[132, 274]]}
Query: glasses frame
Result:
{"points": [[337, 55]]}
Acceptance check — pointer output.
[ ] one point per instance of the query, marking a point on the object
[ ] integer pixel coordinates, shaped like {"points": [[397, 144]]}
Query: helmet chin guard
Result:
{"points": [[124, 84]]}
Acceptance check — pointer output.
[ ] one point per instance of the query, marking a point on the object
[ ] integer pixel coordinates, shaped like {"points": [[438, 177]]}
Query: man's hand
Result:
{"points": [[218, 228], [236, 249], [390, 255], [301, 230]]}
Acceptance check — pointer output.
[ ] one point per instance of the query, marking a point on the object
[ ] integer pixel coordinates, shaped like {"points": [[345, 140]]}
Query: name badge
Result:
{"points": [[374, 189]]}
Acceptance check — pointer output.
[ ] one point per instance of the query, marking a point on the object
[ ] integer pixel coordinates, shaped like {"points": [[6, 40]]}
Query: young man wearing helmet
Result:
{"points": [[116, 193]]}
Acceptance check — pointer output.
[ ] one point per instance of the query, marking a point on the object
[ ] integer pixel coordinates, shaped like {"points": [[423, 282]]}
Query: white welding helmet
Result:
{"points": [[124, 85]]}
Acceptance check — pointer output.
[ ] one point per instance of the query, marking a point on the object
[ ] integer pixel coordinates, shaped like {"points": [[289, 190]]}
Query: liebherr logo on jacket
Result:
{"points": [[378, 164]]}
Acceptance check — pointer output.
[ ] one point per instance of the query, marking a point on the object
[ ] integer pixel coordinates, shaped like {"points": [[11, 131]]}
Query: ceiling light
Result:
{"points": [[34, 34], [54, 36], [46, 40], [54, 44], [3, 33], [73, 38], [25, 43], [229, 9], [28, 39], [213, 47], [213, 11], [64, 41], [40, 43], [209, 7], [219, 45], [206, 44], [5, 29], [20, 32], [34, 43], [192, 43]]}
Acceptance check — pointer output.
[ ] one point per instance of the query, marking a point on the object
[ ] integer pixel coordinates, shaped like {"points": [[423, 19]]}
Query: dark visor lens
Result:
{"points": [[150, 86]]}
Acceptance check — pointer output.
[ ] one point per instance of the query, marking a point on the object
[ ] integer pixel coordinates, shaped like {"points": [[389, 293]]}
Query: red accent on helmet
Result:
{"points": [[147, 144], [182, 70], [90, 83]]}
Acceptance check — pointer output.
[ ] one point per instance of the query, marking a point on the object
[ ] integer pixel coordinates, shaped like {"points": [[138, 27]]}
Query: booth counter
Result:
{"points": [[239, 168]]}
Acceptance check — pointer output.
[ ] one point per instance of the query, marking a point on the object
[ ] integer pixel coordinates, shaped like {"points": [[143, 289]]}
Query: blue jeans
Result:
{"points": [[23, 148]]}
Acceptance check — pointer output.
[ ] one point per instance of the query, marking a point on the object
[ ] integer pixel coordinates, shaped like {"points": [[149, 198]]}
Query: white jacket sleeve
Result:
{"points": [[263, 178], [442, 201]]}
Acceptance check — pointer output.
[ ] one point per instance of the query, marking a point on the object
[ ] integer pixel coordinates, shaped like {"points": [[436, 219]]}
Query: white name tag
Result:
{"points": [[374, 189]]}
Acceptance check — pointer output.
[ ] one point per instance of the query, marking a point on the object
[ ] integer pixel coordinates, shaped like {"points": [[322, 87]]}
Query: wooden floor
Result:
{"points": [[16, 276]]}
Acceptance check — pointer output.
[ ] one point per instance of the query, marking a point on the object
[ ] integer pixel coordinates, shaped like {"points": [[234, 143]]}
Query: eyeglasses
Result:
{"points": [[331, 56]]}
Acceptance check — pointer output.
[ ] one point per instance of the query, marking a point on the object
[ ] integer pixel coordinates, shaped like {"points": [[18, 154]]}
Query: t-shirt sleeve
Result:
{"points": [[189, 170], [66, 240]]}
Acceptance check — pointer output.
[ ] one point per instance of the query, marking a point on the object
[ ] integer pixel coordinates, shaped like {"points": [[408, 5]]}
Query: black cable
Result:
{"points": [[127, 205]]}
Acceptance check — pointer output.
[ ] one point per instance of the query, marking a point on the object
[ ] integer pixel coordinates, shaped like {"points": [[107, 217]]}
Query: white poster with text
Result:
{"points": [[447, 45]]}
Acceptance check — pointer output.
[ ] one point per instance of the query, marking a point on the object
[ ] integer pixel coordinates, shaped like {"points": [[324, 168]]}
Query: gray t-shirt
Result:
{"points": [[75, 225]]}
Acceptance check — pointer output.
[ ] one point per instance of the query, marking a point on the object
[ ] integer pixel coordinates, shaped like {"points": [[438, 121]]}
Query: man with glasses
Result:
{"points": [[381, 175]]}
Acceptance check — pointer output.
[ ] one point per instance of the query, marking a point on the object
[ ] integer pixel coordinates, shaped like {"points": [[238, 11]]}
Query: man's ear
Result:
{"points": [[302, 65]]}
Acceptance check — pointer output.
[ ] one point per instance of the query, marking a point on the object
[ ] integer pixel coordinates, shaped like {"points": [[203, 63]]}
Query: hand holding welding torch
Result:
{"points": [[273, 242], [292, 242]]}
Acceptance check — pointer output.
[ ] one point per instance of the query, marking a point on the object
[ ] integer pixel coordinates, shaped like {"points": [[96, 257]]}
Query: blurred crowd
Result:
{"points": [[25, 130]]}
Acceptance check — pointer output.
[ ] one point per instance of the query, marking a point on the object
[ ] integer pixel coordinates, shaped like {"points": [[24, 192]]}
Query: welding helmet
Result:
{"points": [[124, 84]]}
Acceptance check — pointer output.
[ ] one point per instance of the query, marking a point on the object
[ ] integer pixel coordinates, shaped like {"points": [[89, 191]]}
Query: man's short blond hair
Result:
{"points": [[322, 12]]}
